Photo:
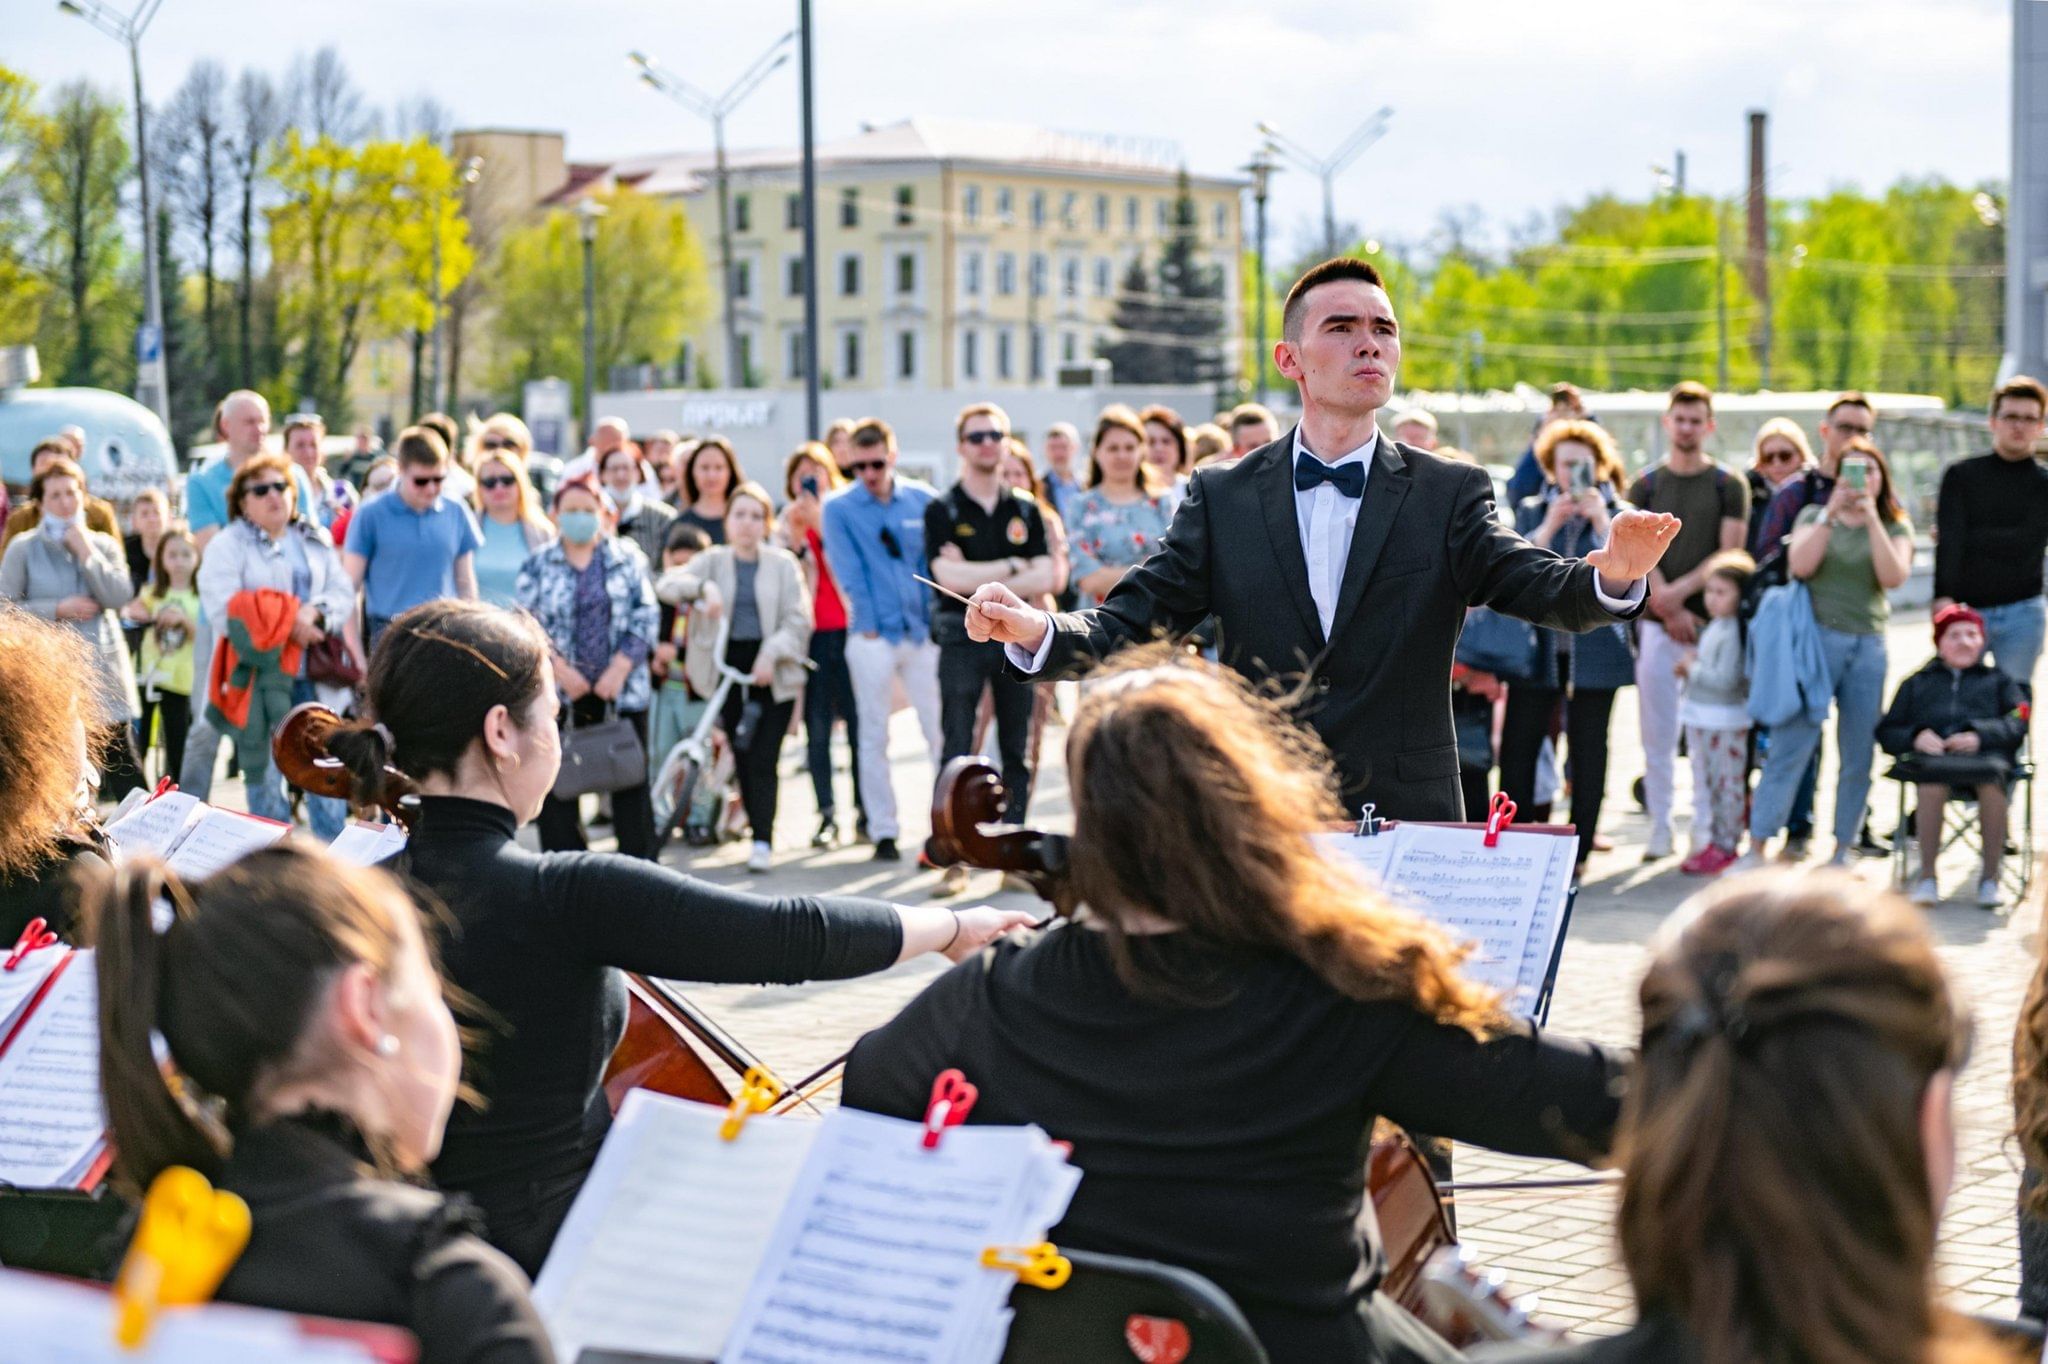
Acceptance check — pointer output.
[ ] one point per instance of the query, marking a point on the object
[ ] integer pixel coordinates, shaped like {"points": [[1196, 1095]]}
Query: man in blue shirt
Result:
{"points": [[874, 542], [1062, 443], [415, 547]]}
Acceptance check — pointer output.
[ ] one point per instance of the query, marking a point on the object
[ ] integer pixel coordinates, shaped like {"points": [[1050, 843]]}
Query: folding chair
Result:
{"points": [[1960, 825], [1117, 1311]]}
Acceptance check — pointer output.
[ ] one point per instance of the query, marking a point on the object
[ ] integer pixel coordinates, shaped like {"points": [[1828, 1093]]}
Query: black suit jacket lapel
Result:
{"points": [[1283, 530], [1385, 490]]}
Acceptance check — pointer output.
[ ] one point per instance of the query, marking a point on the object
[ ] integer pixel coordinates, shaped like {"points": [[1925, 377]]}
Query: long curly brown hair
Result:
{"points": [[2030, 1081], [1197, 800], [42, 703]]}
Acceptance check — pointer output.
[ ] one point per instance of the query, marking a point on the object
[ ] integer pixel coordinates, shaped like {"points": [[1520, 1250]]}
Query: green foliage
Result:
{"points": [[21, 288], [651, 290], [78, 165], [1170, 324]]}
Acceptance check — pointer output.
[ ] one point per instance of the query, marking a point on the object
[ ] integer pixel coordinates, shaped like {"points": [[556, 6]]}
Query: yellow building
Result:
{"points": [[953, 254]]}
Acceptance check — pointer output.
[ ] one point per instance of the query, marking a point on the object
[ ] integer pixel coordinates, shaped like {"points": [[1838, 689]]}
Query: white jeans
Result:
{"points": [[875, 664], [1657, 656]]}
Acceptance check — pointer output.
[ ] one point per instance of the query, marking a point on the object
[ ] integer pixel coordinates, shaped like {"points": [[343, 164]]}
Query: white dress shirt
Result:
{"points": [[1326, 519]]}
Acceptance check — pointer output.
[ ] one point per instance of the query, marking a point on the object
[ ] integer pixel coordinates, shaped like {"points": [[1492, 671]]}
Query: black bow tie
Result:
{"points": [[1349, 478]]}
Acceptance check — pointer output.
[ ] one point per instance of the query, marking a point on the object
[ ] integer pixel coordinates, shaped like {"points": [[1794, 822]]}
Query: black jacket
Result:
{"points": [[1939, 698], [330, 1239], [1428, 544]]}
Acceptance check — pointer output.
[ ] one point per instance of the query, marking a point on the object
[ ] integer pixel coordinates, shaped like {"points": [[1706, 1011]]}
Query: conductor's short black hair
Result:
{"points": [[1329, 272]]}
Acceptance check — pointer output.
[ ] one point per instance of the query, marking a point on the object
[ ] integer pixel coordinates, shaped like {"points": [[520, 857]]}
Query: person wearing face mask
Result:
{"points": [[77, 577], [99, 513], [309, 1063], [461, 699], [592, 593], [643, 518], [47, 827]]}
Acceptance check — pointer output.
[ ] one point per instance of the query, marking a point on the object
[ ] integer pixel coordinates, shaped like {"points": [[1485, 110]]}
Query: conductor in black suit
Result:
{"points": [[1344, 560]]}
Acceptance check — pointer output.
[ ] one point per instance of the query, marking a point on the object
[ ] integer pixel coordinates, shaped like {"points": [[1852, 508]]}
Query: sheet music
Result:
{"points": [[157, 825], [1544, 925], [1372, 854], [219, 837], [19, 986], [1481, 895], [52, 1125], [57, 1321], [368, 844], [877, 1252], [664, 1237]]}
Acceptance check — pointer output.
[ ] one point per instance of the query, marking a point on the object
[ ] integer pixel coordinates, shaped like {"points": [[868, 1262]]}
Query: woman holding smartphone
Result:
{"points": [[1849, 552], [809, 477], [1581, 469]]}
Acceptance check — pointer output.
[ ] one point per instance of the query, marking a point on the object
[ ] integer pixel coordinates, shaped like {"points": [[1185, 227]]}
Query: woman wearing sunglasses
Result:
{"points": [[1780, 455], [508, 512], [269, 547]]}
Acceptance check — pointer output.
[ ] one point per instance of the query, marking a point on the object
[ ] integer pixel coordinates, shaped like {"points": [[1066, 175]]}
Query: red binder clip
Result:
{"points": [[952, 1100], [34, 937], [1500, 813], [164, 786]]}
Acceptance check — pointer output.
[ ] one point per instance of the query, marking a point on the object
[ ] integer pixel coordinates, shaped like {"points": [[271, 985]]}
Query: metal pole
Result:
{"points": [[734, 378], [810, 347], [1259, 291], [589, 326], [434, 366], [153, 302], [1329, 215], [1720, 297]]}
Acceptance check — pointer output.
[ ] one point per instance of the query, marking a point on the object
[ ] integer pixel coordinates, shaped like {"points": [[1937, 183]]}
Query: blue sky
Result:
{"points": [[1511, 106]]}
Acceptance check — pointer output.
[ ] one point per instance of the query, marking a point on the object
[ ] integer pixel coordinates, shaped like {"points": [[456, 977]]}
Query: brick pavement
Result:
{"points": [[1556, 1242]]}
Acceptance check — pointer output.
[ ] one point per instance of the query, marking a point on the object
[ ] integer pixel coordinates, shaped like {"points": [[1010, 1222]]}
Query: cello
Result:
{"points": [[967, 807], [664, 1031]]}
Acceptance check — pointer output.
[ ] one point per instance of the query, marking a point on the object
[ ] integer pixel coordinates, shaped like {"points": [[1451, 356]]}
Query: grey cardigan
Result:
{"points": [[38, 572]]}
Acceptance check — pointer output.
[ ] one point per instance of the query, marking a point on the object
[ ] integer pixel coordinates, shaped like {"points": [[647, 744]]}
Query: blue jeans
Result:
{"points": [[2014, 632], [1856, 666], [268, 798]]}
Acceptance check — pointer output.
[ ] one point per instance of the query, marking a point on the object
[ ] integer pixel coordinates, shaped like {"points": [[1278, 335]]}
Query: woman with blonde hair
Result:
{"points": [[1779, 455], [1225, 1016], [1788, 1137], [48, 728], [508, 513]]}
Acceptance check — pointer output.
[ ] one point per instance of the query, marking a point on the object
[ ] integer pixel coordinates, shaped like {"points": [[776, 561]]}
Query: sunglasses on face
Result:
{"points": [[1850, 429], [1779, 456], [497, 443], [982, 437], [491, 482], [428, 480], [868, 466], [264, 489]]}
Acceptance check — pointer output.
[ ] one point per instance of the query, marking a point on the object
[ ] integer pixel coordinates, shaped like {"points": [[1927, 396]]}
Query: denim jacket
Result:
{"points": [[1602, 658], [547, 589]]}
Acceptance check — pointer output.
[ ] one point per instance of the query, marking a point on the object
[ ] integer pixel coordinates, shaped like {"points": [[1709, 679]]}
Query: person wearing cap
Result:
{"points": [[1958, 722]]}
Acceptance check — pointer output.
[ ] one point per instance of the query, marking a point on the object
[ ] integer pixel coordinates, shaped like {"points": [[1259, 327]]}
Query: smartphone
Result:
{"points": [[1578, 477], [809, 483], [1856, 473]]}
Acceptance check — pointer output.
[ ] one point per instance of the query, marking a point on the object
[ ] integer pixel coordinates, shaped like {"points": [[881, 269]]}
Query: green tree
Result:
{"points": [[651, 290], [352, 244], [1172, 325], [21, 288], [77, 170]]}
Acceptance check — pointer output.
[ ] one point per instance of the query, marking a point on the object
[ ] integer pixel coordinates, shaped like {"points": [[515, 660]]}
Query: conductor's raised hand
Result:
{"points": [[1636, 541], [995, 612]]}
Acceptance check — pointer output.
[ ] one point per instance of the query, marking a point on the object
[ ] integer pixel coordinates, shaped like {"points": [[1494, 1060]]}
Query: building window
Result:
{"points": [[1070, 278], [849, 276], [1131, 214], [970, 274], [1005, 206], [1006, 273], [793, 212], [1070, 207], [1159, 214], [1037, 209], [793, 276], [1037, 354], [849, 355], [906, 205], [1038, 274], [1102, 213], [745, 378], [1222, 221], [1102, 276], [742, 213], [970, 353], [1070, 346], [796, 355], [906, 355], [970, 204], [742, 279], [906, 272], [1004, 337]]}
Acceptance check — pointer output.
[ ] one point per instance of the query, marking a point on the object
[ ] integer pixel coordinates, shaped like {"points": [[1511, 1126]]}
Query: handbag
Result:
{"points": [[329, 662], [600, 758], [1498, 644]]}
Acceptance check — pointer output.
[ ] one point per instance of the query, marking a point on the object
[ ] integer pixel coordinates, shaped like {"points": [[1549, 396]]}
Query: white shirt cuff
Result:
{"points": [[1621, 605], [1033, 662]]}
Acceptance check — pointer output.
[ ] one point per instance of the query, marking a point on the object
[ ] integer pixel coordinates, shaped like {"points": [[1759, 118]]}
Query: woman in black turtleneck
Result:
{"points": [[465, 704]]}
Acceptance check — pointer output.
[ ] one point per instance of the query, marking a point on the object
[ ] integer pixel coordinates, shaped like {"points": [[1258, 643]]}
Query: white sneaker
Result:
{"points": [[1989, 896], [1749, 861], [760, 857], [1925, 892], [1659, 846]]}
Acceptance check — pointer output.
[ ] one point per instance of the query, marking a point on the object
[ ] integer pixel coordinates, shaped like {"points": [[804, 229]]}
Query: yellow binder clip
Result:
{"points": [[1041, 1266], [187, 1239], [758, 1089]]}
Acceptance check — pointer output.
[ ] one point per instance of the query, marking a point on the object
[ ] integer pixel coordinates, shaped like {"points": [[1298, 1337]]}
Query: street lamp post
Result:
{"points": [[465, 175], [588, 211], [1327, 168], [1261, 168], [714, 109], [810, 189], [151, 368]]}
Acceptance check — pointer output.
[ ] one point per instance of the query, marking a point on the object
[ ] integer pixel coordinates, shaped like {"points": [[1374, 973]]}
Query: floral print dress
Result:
{"points": [[1106, 534]]}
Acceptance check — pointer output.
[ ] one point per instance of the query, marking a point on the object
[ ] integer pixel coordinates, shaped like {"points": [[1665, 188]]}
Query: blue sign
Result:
{"points": [[149, 344]]}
